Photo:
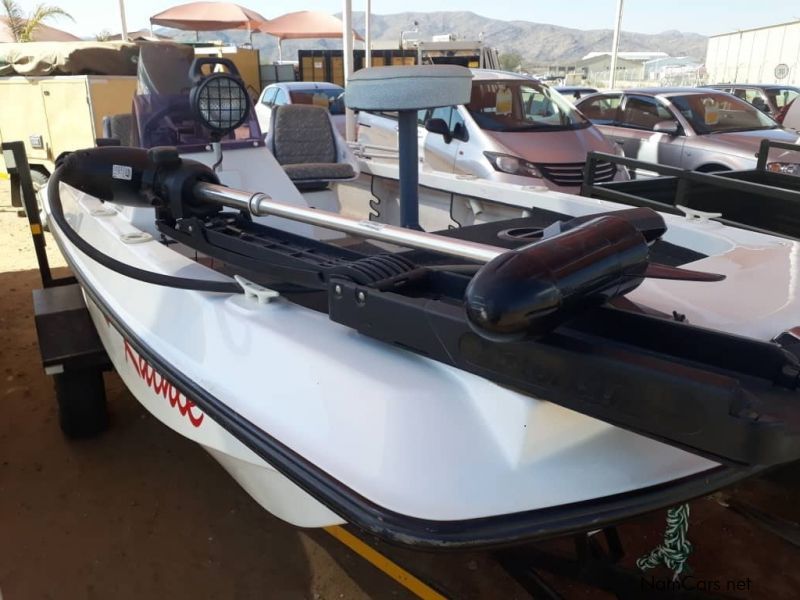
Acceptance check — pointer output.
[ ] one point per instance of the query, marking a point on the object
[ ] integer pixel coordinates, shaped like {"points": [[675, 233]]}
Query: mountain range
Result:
{"points": [[537, 43]]}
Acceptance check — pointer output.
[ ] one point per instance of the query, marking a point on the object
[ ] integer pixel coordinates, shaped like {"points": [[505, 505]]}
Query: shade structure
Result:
{"points": [[209, 16], [305, 24], [140, 34], [42, 33]]}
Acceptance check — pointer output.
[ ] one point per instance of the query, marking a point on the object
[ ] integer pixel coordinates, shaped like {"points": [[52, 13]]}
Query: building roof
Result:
{"points": [[634, 56], [738, 31]]}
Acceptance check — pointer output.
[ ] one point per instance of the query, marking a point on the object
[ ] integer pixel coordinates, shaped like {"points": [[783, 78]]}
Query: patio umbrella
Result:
{"points": [[306, 24], [209, 16], [42, 33]]}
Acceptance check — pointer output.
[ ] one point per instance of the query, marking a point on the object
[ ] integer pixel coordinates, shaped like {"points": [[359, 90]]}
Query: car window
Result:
{"points": [[641, 112], [422, 116], [752, 96], [280, 98], [443, 113], [330, 98], [269, 96], [712, 112], [457, 125], [781, 97], [521, 105], [601, 110]]}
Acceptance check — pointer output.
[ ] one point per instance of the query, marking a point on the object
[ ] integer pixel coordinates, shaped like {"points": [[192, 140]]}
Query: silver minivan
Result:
{"points": [[515, 129]]}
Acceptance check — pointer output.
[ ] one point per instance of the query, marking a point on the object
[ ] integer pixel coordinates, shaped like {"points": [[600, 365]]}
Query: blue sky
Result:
{"points": [[646, 16]]}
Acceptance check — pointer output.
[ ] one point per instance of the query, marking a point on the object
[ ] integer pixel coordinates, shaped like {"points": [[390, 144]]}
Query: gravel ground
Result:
{"points": [[143, 513]]}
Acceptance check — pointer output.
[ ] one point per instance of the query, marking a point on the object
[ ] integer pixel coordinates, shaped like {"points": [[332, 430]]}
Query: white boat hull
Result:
{"points": [[359, 423], [169, 405]]}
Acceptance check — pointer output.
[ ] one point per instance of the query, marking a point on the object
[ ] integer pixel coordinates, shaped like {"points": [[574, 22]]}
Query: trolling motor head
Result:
{"points": [[157, 178]]}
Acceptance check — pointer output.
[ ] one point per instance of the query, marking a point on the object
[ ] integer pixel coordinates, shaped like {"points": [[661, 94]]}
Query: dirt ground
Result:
{"points": [[142, 513]]}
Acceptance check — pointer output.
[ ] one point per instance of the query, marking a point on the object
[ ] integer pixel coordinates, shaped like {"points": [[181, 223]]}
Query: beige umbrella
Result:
{"points": [[306, 24], [209, 16], [42, 33]]}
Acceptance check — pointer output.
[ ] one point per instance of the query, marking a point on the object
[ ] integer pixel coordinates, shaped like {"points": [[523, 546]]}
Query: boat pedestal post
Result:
{"points": [[409, 168]]}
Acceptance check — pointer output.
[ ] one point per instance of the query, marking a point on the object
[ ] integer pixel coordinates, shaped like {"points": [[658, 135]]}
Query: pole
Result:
{"points": [[347, 52], [612, 80], [123, 21], [367, 35], [280, 50], [262, 205], [409, 168]]}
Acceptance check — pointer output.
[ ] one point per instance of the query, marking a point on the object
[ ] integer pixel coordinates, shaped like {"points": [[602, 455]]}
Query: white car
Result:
{"points": [[320, 93]]}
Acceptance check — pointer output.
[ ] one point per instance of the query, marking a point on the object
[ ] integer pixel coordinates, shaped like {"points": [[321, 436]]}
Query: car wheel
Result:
{"points": [[711, 168]]}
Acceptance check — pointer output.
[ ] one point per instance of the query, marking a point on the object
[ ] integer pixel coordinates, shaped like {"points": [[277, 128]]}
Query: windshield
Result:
{"points": [[521, 106], [714, 112], [780, 97], [331, 99]]}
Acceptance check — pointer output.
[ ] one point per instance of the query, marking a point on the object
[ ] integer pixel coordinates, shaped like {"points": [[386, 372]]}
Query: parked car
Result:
{"points": [[574, 92], [770, 99], [301, 92], [514, 129], [690, 128]]}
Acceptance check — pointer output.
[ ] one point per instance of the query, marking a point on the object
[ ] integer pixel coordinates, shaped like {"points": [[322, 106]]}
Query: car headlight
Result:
{"points": [[784, 167], [505, 163]]}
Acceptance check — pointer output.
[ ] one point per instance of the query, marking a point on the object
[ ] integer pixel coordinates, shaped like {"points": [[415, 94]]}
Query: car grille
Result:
{"points": [[567, 174]]}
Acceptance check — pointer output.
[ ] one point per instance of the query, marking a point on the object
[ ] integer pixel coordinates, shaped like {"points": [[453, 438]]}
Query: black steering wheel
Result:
{"points": [[175, 113]]}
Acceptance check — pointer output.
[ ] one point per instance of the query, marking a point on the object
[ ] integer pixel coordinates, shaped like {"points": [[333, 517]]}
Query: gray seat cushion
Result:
{"points": [[408, 87], [319, 171], [302, 134]]}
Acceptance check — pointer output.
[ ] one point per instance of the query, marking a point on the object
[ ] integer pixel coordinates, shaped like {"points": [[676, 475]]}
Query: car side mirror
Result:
{"points": [[439, 126], [668, 127]]}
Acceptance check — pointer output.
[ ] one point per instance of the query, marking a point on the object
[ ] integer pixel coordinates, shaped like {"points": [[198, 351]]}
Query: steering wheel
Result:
{"points": [[175, 113]]}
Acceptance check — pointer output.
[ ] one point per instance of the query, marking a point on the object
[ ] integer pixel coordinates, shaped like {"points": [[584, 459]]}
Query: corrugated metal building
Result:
{"points": [[762, 55]]}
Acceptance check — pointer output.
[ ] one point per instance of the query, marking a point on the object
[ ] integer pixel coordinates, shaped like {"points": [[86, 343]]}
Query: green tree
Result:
{"points": [[23, 25], [510, 61]]}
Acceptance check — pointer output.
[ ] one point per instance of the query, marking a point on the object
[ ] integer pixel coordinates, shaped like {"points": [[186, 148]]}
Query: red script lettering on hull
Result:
{"points": [[162, 387]]}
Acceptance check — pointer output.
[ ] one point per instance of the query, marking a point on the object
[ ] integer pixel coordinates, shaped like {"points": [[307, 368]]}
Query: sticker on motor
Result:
{"points": [[121, 172]]}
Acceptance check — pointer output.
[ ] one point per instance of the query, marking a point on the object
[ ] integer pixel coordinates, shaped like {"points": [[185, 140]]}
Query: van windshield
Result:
{"points": [[521, 106]]}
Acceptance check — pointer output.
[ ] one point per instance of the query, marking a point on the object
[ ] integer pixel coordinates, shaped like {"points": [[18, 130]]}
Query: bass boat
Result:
{"points": [[475, 386]]}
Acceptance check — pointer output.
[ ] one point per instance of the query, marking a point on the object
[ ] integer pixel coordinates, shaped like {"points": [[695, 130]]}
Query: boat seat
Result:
{"points": [[304, 142]]}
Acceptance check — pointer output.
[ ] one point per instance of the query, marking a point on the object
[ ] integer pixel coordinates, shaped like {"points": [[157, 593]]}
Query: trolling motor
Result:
{"points": [[526, 292], [520, 293]]}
